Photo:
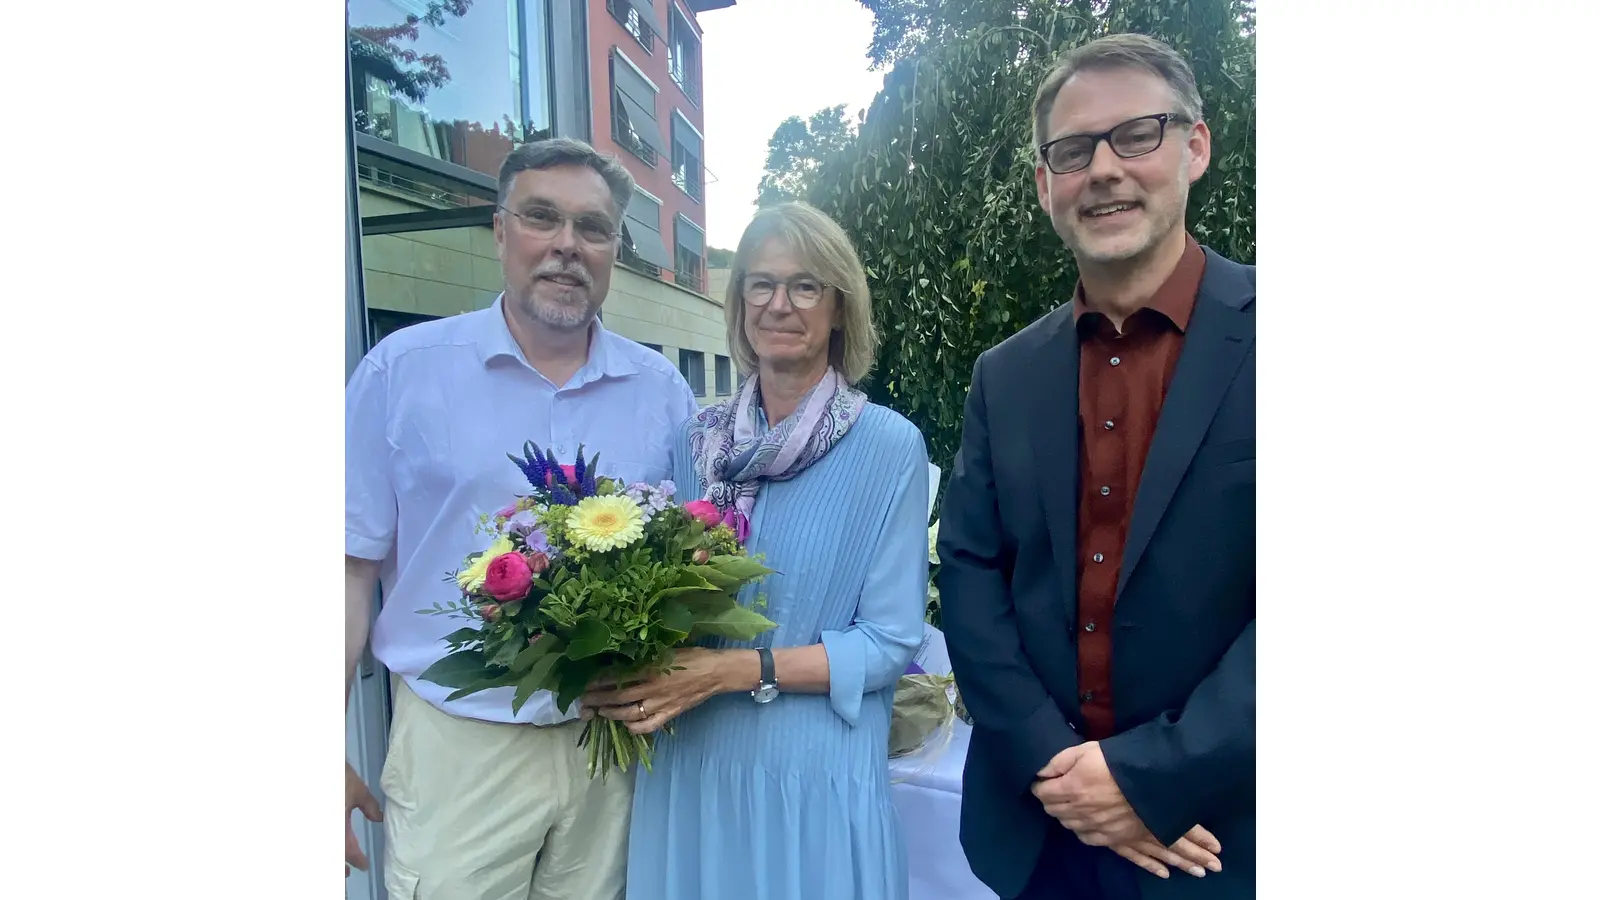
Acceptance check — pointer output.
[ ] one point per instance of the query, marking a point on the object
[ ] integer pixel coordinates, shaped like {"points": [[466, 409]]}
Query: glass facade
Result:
{"points": [[459, 81]]}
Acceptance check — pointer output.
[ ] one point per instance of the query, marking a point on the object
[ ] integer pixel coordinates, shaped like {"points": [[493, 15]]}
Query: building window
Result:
{"points": [[690, 258], [655, 347], [638, 19], [641, 230], [683, 55], [461, 83], [633, 110], [688, 153], [724, 376], [692, 363]]}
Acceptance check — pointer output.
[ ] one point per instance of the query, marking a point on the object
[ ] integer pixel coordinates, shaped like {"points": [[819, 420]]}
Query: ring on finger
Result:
{"points": [[641, 709]]}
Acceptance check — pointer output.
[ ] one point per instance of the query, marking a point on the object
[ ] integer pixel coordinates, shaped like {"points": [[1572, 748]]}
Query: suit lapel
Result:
{"points": [[1055, 447], [1220, 335]]}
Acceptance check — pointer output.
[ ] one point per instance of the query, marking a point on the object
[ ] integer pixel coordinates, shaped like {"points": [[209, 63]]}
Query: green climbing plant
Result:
{"points": [[937, 188]]}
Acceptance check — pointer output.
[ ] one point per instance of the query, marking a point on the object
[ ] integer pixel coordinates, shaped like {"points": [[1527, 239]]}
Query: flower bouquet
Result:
{"points": [[586, 578]]}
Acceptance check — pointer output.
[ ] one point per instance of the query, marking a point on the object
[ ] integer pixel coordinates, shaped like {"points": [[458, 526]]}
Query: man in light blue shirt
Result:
{"points": [[475, 795]]}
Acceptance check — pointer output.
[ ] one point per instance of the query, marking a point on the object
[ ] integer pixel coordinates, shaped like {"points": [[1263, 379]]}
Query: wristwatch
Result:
{"points": [[767, 689]]}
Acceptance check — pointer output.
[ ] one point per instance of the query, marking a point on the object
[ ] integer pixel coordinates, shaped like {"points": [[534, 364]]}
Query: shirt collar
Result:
{"points": [[1174, 299], [606, 359]]}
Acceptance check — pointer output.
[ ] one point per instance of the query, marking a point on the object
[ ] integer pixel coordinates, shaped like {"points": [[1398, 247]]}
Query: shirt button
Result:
{"points": [[1116, 360], [1089, 627], [1105, 490], [1099, 557], [1086, 697], [1110, 424]]}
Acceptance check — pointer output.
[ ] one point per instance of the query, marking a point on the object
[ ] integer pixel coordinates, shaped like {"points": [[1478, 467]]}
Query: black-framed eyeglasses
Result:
{"points": [[547, 221], [804, 291], [1135, 137]]}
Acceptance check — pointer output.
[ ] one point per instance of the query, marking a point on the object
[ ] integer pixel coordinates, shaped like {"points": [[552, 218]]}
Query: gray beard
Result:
{"points": [[555, 316]]}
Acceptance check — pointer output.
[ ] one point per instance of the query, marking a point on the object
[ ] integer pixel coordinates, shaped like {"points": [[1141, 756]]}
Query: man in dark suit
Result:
{"points": [[1098, 533]]}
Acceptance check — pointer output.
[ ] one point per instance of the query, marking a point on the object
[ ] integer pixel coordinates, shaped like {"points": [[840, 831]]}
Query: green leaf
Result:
{"points": [[590, 638], [463, 635], [574, 678], [741, 567], [737, 623], [695, 576], [533, 681], [506, 653], [704, 578], [505, 679], [678, 620], [545, 645], [457, 670], [707, 603]]}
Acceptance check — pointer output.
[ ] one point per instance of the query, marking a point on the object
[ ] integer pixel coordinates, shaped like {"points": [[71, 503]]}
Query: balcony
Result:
{"points": [[686, 83], [691, 279], [634, 22], [622, 132], [688, 179]]}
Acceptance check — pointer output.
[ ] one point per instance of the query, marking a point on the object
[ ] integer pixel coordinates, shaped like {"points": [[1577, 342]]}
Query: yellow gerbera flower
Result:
{"points": [[605, 523], [471, 578]]}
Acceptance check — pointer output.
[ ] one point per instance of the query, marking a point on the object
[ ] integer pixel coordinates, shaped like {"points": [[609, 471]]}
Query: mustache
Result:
{"points": [[574, 270]]}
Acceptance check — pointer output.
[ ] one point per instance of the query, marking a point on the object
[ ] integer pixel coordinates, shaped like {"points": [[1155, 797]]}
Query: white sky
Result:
{"points": [[766, 60]]}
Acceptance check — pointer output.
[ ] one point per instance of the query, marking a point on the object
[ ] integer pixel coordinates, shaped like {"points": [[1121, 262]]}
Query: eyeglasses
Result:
{"points": [[1135, 137], [547, 221], [804, 291]]}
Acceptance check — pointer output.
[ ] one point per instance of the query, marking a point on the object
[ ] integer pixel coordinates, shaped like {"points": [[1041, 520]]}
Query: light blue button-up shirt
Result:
{"points": [[430, 415]]}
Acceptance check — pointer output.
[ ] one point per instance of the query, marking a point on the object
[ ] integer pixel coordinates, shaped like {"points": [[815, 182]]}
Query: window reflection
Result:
{"points": [[458, 80]]}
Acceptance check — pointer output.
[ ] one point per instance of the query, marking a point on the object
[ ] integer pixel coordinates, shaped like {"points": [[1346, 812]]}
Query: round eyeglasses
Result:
{"points": [[803, 291], [547, 221], [1135, 137]]}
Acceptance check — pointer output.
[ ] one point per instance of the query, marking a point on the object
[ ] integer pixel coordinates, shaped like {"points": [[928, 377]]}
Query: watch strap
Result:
{"points": [[768, 670]]}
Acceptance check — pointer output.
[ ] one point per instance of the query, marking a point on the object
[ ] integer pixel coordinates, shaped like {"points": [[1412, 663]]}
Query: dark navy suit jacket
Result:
{"points": [[1184, 645]]}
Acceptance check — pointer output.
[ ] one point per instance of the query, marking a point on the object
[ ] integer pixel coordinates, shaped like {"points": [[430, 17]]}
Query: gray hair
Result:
{"points": [[553, 152], [1119, 51], [826, 252]]}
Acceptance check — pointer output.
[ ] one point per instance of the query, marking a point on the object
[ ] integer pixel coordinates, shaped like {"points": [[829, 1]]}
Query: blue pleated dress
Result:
{"points": [[789, 800]]}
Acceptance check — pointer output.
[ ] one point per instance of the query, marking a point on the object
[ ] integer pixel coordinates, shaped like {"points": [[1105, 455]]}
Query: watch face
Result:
{"points": [[765, 693]]}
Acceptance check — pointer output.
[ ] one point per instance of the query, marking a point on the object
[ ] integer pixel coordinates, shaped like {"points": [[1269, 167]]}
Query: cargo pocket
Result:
{"points": [[400, 882]]}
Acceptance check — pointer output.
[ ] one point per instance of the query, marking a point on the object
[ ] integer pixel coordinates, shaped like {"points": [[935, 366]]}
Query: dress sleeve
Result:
{"points": [[874, 651]]}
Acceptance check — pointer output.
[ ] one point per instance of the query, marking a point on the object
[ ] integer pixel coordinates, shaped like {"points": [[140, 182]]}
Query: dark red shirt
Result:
{"points": [[1122, 382]]}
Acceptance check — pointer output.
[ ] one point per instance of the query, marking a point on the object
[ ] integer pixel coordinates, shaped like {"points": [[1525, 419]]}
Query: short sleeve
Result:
{"points": [[688, 406], [370, 509]]}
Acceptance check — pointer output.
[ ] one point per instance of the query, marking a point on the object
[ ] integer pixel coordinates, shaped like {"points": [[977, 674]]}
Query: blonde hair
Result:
{"points": [[826, 252]]}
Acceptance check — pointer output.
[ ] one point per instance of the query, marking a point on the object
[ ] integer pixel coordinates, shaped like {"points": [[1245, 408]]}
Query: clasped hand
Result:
{"points": [[647, 705], [1077, 790]]}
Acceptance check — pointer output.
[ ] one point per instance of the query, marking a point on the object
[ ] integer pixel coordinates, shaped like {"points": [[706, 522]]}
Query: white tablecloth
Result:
{"points": [[927, 794]]}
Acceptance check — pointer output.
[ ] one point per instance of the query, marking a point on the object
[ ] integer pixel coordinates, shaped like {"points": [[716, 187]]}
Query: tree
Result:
{"points": [[718, 258], [901, 28], [389, 74], [381, 52], [937, 189], [797, 149]]}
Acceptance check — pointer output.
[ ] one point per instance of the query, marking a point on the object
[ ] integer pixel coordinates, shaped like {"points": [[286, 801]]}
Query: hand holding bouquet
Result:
{"points": [[585, 579]]}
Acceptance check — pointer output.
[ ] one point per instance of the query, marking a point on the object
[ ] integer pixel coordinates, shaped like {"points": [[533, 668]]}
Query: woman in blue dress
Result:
{"points": [[774, 783]]}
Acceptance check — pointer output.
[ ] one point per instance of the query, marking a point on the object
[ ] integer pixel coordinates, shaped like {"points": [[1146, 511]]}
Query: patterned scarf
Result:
{"points": [[733, 461]]}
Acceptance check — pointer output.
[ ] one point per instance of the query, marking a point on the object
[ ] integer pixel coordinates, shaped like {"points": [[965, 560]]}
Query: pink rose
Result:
{"points": [[538, 562], [569, 471], [508, 577], [489, 611], [702, 556], [705, 511]]}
